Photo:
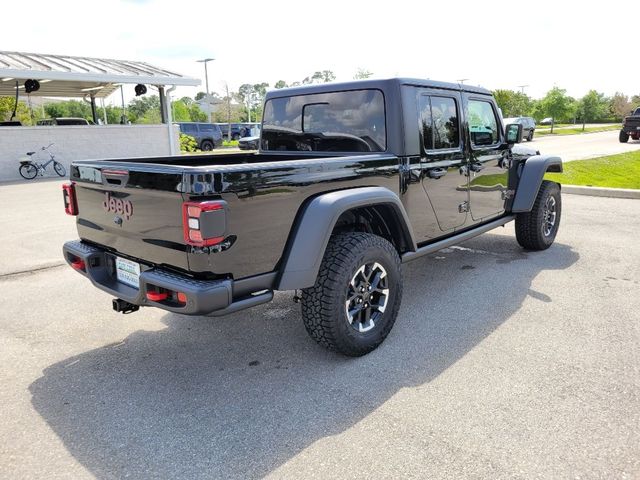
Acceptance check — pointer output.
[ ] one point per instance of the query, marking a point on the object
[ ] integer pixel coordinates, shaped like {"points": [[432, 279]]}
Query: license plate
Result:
{"points": [[128, 272]]}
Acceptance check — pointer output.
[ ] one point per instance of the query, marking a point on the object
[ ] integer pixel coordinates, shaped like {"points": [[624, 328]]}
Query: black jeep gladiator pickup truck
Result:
{"points": [[630, 127], [351, 181]]}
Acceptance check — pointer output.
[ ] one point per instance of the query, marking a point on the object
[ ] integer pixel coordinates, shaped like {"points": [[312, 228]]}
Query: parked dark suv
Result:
{"points": [[528, 126], [238, 130], [208, 135]]}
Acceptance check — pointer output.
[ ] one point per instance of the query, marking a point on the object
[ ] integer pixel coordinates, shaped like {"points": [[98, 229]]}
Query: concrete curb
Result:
{"points": [[601, 192]]}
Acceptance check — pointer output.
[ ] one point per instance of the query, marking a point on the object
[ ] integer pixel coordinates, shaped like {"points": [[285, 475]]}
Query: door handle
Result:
{"points": [[437, 172]]}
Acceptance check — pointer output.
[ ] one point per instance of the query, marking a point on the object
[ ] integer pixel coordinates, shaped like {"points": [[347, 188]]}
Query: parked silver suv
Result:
{"points": [[528, 125]]}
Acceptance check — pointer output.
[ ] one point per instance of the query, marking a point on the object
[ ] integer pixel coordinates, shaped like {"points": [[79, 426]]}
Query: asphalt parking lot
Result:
{"points": [[502, 364]]}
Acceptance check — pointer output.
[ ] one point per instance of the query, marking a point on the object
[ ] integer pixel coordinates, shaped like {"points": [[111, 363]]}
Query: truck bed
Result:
{"points": [[264, 193]]}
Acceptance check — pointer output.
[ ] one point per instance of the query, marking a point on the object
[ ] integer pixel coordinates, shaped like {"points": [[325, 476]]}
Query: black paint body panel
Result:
{"points": [[266, 193]]}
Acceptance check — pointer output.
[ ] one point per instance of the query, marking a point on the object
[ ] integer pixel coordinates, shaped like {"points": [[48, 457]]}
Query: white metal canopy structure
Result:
{"points": [[90, 78], [67, 76]]}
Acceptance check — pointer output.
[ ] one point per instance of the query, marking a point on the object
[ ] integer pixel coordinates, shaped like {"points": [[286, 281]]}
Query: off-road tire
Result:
{"points": [[623, 137], [324, 304], [207, 146], [532, 227]]}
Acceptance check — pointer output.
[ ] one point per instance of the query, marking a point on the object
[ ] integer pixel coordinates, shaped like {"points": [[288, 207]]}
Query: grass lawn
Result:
{"points": [[615, 171], [232, 143], [578, 130]]}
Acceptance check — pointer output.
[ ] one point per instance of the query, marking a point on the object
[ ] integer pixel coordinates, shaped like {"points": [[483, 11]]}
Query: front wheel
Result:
{"points": [[537, 229], [28, 171], [207, 146], [59, 168], [354, 302], [530, 136], [623, 137]]}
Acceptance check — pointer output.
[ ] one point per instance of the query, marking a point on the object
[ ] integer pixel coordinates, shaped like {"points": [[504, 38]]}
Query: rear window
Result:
{"points": [[189, 128], [208, 128], [351, 121]]}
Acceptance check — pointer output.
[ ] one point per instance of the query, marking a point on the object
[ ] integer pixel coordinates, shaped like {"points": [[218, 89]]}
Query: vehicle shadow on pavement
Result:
{"points": [[238, 396]]}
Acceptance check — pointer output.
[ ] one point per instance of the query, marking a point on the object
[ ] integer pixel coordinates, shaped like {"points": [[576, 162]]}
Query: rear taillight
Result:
{"points": [[203, 223], [69, 197]]}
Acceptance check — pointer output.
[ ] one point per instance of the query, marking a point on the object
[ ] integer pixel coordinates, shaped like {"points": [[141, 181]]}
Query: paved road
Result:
{"points": [[588, 145], [502, 364]]}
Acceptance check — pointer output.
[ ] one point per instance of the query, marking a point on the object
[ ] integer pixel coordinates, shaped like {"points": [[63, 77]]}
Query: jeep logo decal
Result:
{"points": [[117, 205]]}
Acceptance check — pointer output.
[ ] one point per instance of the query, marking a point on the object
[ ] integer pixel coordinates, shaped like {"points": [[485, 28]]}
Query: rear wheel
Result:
{"points": [[355, 300], [59, 168], [537, 229], [530, 136], [28, 171], [623, 137]]}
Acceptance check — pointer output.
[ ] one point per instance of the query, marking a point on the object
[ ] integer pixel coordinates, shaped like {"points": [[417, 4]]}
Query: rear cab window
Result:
{"points": [[347, 121]]}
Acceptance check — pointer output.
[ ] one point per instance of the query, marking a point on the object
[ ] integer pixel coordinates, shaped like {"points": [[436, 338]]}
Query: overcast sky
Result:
{"points": [[497, 44]]}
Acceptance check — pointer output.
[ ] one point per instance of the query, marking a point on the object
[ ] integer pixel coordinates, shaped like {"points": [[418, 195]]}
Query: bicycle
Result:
{"points": [[30, 169]]}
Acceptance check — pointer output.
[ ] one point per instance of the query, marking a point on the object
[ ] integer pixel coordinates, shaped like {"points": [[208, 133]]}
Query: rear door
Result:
{"points": [[443, 161], [488, 176], [134, 209]]}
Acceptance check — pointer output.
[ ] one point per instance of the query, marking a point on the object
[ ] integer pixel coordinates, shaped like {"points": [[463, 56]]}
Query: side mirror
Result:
{"points": [[513, 133]]}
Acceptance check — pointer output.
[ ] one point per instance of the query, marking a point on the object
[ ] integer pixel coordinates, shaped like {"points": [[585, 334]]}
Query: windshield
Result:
{"points": [[352, 121]]}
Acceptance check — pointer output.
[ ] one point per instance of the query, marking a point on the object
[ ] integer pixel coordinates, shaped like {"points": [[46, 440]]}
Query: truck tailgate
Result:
{"points": [[134, 209]]}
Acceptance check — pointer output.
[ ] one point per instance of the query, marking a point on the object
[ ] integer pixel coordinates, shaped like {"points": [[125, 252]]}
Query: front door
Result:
{"points": [[442, 159], [488, 174]]}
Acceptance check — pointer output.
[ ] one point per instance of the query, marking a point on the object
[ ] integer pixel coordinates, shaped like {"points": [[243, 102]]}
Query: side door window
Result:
{"points": [[483, 124], [488, 176], [442, 160]]}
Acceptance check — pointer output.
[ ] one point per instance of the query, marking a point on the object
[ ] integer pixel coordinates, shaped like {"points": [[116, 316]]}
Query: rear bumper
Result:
{"points": [[203, 296]]}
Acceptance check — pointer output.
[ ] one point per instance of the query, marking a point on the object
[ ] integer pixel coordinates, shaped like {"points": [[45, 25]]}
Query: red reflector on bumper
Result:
{"points": [[157, 296], [79, 264], [182, 298]]}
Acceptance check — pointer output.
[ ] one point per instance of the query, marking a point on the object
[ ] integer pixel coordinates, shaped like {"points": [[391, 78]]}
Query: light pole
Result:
{"points": [[206, 82], [522, 87], [462, 80]]}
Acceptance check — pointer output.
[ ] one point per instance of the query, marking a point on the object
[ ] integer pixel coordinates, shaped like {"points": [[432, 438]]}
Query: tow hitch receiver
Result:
{"points": [[123, 306]]}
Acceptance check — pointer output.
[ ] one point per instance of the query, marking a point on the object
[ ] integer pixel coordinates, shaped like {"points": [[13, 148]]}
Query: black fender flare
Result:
{"points": [[531, 177], [313, 230]]}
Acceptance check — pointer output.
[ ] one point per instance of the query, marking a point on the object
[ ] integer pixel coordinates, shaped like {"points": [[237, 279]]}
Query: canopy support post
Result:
{"points": [[163, 111], [94, 113], [172, 140]]}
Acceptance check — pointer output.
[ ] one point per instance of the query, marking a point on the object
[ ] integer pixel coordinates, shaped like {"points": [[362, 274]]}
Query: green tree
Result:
{"points": [[196, 114], [362, 73], [280, 84], [620, 105], [180, 112], [22, 111], [513, 104], [200, 95], [593, 106], [557, 105], [138, 107], [323, 76]]}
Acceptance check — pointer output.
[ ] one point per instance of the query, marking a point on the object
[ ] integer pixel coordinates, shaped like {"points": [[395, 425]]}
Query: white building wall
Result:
{"points": [[80, 143]]}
